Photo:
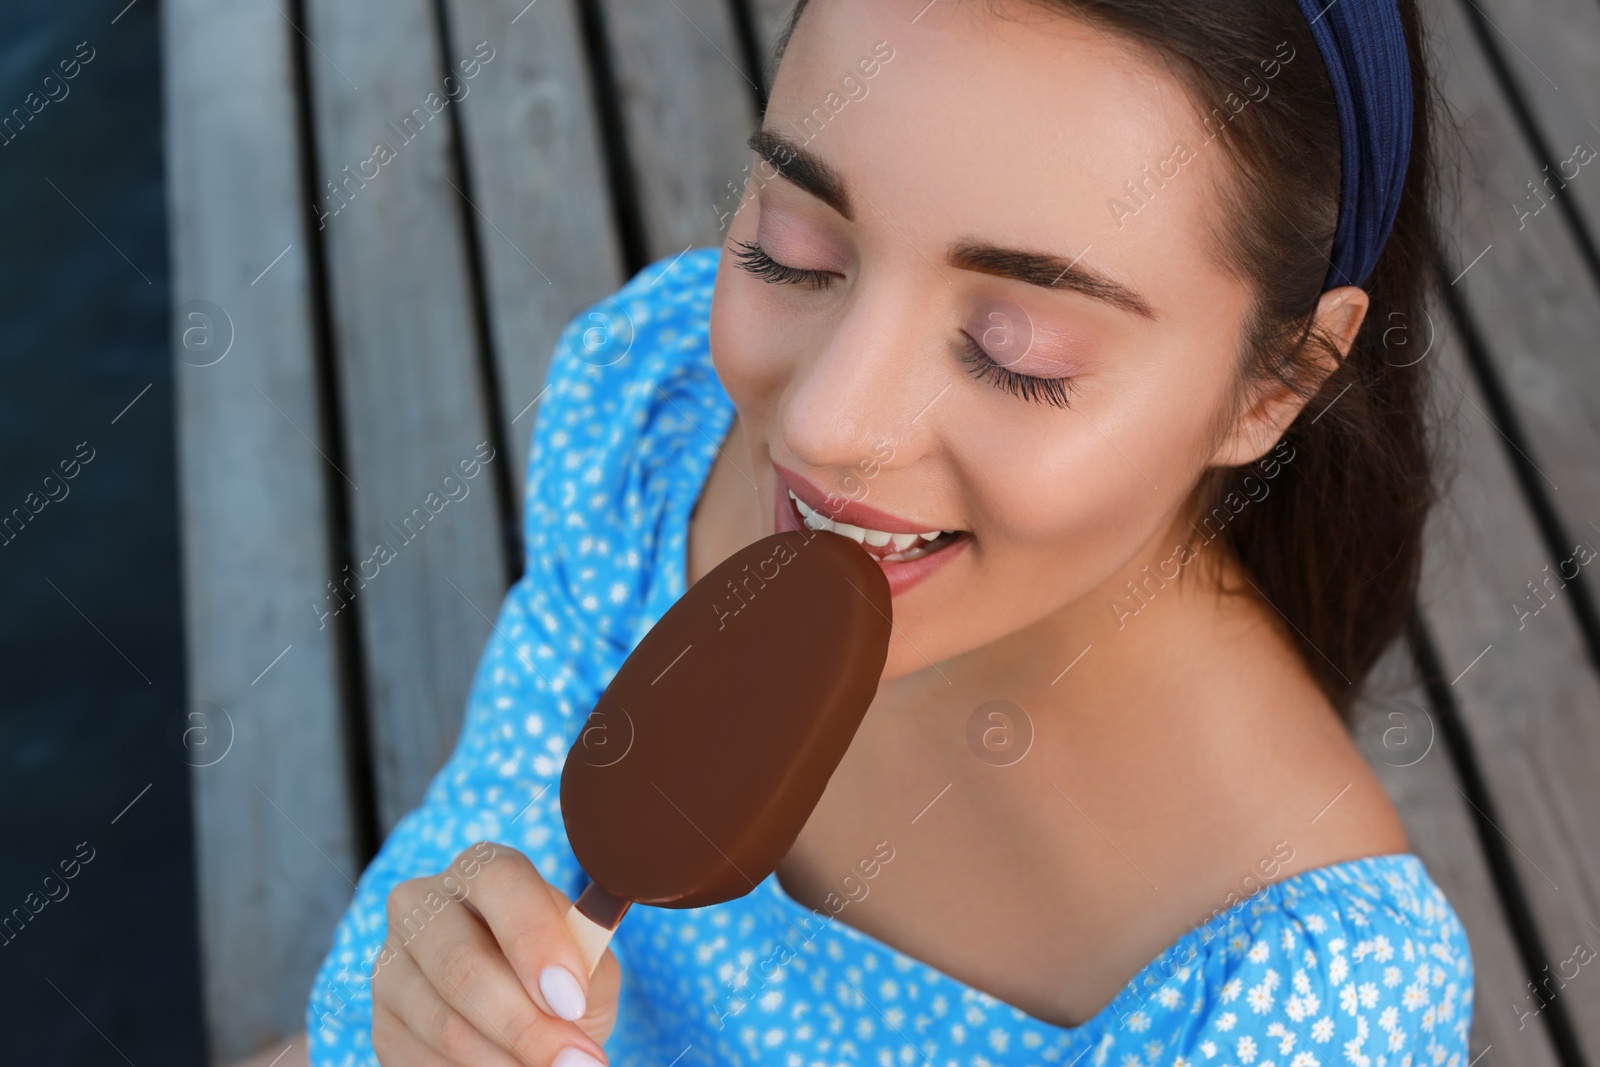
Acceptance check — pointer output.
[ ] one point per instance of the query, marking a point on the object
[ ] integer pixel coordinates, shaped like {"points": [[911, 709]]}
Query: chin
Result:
{"points": [[902, 660]]}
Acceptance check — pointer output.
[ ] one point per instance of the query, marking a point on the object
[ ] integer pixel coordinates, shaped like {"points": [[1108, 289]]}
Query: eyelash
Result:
{"points": [[754, 260], [1052, 391]]}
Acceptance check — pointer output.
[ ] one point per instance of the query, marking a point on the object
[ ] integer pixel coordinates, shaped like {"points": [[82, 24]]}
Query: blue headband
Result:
{"points": [[1363, 46]]}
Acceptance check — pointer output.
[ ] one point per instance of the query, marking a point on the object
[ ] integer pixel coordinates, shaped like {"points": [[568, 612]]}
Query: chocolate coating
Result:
{"points": [[706, 754]]}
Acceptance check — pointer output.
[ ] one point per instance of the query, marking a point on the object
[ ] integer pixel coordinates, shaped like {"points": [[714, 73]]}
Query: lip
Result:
{"points": [[850, 511], [903, 576]]}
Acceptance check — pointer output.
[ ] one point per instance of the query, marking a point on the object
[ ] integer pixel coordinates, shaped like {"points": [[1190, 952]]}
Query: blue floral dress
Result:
{"points": [[1362, 963]]}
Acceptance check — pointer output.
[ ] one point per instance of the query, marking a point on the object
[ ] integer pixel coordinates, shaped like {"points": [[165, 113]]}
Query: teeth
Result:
{"points": [[876, 538], [850, 531]]}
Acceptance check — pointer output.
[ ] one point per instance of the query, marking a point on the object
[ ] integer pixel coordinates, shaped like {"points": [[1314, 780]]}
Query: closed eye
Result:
{"points": [[755, 260], [1052, 391]]}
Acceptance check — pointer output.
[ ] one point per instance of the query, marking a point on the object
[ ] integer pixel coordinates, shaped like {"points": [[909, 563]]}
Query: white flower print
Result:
{"points": [[1226, 1020], [1259, 952], [1231, 989], [1245, 1049], [1322, 1029], [1259, 999]]}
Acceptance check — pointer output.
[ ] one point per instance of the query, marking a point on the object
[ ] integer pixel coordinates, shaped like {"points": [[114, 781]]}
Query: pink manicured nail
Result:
{"points": [[565, 997], [574, 1057]]}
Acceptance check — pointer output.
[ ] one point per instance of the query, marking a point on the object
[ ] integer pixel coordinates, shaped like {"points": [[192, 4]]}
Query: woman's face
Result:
{"points": [[950, 200]]}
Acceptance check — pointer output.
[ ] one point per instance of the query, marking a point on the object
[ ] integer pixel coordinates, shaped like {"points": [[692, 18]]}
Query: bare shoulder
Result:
{"points": [[1299, 773]]}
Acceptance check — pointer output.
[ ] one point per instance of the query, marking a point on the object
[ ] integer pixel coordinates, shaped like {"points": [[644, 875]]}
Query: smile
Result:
{"points": [[887, 547]]}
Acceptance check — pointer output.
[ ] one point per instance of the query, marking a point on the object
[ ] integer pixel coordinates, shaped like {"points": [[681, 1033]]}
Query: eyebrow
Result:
{"points": [[1048, 272], [803, 169], [810, 173]]}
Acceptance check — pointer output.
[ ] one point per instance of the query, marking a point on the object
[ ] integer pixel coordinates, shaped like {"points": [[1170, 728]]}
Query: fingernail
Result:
{"points": [[574, 1057], [565, 997]]}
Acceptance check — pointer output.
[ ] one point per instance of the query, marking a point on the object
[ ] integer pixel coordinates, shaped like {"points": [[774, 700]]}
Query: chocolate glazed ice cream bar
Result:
{"points": [[706, 754]]}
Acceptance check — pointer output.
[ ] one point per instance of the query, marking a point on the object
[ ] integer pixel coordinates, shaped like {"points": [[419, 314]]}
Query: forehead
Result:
{"points": [[1003, 122]]}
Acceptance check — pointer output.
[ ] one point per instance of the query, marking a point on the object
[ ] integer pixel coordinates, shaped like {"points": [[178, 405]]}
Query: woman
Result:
{"points": [[1076, 318]]}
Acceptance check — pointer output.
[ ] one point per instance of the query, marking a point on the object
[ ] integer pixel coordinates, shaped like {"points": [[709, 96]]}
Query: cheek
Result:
{"points": [[1079, 496], [748, 345]]}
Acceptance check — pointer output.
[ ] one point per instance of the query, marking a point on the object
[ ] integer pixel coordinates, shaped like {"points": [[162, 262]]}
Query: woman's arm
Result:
{"points": [[594, 551]]}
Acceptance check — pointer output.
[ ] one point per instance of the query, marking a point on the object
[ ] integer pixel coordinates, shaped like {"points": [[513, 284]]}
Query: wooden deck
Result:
{"points": [[374, 322]]}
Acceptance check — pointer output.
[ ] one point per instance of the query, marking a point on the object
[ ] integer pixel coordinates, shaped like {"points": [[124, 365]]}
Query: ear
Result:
{"points": [[1340, 313]]}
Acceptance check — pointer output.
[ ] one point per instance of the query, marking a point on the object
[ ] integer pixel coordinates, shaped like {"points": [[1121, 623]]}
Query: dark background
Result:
{"points": [[90, 639]]}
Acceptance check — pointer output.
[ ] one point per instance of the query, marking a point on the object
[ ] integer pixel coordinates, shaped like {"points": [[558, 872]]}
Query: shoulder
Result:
{"points": [[1362, 962], [612, 355], [657, 318], [630, 411]]}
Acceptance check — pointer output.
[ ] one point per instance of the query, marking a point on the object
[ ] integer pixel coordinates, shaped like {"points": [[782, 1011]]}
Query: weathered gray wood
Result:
{"points": [[1552, 50], [539, 192], [770, 17], [1526, 696], [411, 388], [273, 835], [688, 106], [1534, 301], [1532, 701], [1400, 736]]}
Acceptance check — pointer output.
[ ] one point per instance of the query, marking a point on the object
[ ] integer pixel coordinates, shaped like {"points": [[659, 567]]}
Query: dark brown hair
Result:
{"points": [[1334, 544]]}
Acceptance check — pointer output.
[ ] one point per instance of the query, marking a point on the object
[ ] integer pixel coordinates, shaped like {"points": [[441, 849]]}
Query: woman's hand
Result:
{"points": [[494, 981]]}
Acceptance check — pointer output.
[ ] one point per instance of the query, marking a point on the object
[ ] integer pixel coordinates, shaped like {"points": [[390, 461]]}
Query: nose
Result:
{"points": [[869, 384]]}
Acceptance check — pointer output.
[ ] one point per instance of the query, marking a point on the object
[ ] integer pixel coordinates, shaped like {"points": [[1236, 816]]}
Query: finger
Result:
{"points": [[604, 987], [436, 1023], [467, 968], [396, 1046], [527, 917]]}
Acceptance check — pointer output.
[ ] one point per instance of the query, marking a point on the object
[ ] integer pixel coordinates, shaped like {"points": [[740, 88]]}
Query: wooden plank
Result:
{"points": [[1400, 736], [412, 396], [539, 193], [1526, 696], [1530, 292], [688, 106], [770, 17], [1527, 690], [273, 828], [1551, 49]]}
